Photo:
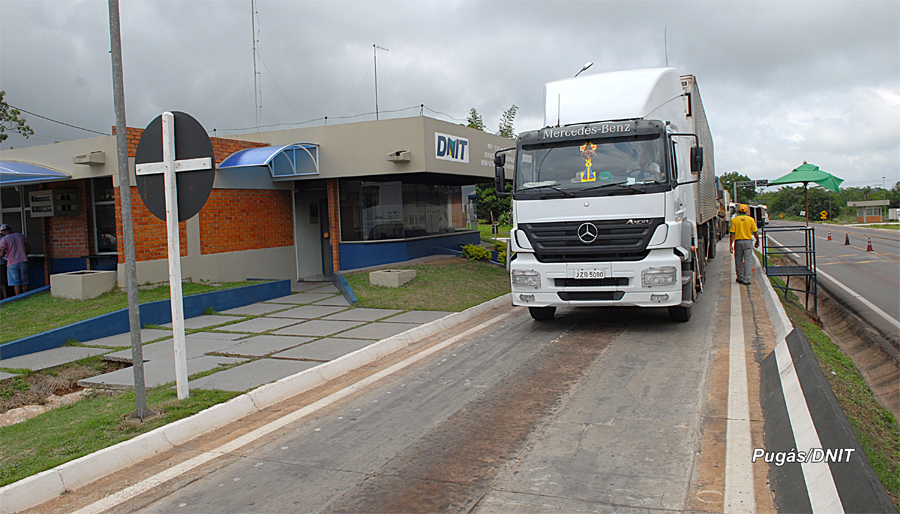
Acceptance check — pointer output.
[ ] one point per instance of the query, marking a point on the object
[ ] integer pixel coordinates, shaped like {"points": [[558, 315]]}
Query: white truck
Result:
{"points": [[614, 200]]}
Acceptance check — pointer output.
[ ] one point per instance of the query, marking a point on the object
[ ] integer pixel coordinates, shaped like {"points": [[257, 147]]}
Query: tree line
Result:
{"points": [[789, 201]]}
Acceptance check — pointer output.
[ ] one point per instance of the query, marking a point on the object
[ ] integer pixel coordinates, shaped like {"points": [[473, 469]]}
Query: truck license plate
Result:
{"points": [[588, 273]]}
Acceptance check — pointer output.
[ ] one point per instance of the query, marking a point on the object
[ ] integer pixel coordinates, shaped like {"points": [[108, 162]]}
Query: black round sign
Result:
{"points": [[191, 142]]}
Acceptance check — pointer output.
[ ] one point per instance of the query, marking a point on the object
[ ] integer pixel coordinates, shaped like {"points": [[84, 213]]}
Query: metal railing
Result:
{"points": [[803, 255]]}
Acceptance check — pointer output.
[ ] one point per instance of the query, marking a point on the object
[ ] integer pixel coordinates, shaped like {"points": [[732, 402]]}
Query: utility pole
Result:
{"points": [[131, 287], [375, 60], [255, 74]]}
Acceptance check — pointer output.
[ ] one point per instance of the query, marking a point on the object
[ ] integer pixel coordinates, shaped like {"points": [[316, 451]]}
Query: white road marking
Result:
{"points": [[739, 489], [188, 465], [823, 495]]}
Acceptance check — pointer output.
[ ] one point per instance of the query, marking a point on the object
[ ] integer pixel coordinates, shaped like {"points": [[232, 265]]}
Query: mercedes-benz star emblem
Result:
{"points": [[587, 233]]}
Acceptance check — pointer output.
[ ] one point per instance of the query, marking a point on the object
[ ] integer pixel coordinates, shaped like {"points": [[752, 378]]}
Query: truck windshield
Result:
{"points": [[573, 166]]}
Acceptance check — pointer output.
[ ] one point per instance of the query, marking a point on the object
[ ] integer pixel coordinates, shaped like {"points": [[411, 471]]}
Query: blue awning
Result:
{"points": [[283, 162], [15, 173]]}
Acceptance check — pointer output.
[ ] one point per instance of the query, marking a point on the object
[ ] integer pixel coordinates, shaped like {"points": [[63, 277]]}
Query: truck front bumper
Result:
{"points": [[623, 283]]}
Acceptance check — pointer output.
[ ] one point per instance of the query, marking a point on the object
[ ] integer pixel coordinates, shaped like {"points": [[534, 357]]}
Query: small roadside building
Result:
{"points": [[292, 204], [869, 211]]}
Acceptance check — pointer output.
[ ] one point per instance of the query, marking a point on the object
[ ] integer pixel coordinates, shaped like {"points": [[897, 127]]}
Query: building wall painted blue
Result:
{"points": [[374, 253], [153, 313]]}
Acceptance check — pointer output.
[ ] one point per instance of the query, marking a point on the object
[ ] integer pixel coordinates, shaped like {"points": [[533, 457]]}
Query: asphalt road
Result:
{"points": [[870, 280], [614, 409]]}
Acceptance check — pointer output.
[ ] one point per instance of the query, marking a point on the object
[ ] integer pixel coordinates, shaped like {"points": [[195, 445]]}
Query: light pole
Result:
{"points": [[586, 66]]}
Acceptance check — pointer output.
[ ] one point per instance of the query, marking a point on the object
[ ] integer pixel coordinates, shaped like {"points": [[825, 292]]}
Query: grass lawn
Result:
{"points": [[875, 427], [453, 284], [487, 234], [894, 226], [42, 312], [94, 423]]}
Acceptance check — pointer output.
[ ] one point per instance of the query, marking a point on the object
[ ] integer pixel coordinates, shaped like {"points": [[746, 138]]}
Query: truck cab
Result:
{"points": [[604, 212]]}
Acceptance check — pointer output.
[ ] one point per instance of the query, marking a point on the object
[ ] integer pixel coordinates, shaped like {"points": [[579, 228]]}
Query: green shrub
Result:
{"points": [[500, 248], [476, 253]]}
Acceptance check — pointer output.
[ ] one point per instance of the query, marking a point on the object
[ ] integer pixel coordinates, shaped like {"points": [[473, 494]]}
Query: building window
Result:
{"points": [[14, 210], [104, 204], [372, 211]]}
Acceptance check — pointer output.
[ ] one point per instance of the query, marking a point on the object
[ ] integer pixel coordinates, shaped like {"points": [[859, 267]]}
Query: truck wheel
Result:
{"points": [[680, 313], [712, 246], [542, 313]]}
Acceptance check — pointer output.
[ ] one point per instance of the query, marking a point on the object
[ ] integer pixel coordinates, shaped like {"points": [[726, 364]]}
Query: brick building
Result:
{"points": [[295, 204]]}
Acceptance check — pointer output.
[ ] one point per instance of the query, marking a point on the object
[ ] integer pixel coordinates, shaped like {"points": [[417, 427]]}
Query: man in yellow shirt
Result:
{"points": [[742, 228]]}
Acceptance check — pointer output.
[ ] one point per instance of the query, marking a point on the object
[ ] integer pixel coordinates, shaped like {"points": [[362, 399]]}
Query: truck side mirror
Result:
{"points": [[696, 159], [500, 181], [500, 173]]}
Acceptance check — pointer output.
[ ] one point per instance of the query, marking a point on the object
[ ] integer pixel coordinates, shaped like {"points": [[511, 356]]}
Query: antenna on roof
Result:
{"points": [[255, 72], [375, 60], [666, 44]]}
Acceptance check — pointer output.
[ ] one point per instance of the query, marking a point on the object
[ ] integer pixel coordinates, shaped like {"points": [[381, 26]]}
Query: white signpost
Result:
{"points": [[168, 167]]}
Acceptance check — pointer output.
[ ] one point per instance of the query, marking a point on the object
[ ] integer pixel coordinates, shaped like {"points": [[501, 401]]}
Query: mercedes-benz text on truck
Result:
{"points": [[614, 200]]}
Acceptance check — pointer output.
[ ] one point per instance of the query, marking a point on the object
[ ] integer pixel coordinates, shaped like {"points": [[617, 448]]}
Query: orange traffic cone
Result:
{"points": [[847, 239], [869, 249], [829, 236]]}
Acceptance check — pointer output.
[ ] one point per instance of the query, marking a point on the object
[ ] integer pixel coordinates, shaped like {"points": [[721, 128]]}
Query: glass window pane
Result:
{"points": [[14, 219], [351, 210], [9, 197], [106, 228], [34, 232], [103, 190]]}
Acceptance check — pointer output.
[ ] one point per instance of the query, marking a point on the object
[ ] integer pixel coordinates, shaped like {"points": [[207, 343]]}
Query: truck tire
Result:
{"points": [[712, 244], [680, 314], [542, 313]]}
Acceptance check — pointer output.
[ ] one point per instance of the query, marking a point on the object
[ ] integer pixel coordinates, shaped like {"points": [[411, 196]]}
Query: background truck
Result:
{"points": [[614, 200]]}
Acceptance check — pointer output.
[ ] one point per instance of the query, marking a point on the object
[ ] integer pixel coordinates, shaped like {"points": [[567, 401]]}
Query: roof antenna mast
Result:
{"points": [[255, 72], [666, 43], [375, 60]]}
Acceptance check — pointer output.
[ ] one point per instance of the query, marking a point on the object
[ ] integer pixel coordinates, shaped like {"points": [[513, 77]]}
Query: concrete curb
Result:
{"points": [[45, 486], [802, 414]]}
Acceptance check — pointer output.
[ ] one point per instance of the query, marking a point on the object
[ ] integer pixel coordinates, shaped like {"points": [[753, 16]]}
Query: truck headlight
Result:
{"points": [[663, 276], [526, 278]]}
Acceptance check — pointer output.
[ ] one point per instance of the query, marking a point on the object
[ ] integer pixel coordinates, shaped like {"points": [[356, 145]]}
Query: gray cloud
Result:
{"points": [[782, 82]]}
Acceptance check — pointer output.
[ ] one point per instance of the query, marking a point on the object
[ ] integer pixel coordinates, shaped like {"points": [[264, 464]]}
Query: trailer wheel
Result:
{"points": [[542, 313], [680, 313], [711, 254]]}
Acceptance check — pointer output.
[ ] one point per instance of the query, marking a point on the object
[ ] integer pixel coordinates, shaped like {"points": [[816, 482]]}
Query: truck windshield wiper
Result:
{"points": [[563, 191], [604, 186]]}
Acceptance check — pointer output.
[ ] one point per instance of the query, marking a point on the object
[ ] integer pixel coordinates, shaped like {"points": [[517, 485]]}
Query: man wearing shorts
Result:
{"points": [[15, 248]]}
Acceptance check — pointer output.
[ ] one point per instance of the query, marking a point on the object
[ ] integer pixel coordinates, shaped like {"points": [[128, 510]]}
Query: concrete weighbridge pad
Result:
{"points": [[251, 375], [156, 372]]}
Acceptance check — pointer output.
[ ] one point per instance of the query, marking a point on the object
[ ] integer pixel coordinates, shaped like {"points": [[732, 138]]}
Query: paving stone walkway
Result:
{"points": [[245, 347]]}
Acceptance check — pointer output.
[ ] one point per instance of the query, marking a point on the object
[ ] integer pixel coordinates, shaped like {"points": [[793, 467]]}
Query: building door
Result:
{"points": [[312, 235], [325, 236]]}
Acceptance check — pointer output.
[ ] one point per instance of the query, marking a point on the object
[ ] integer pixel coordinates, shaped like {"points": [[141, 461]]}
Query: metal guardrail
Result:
{"points": [[804, 255]]}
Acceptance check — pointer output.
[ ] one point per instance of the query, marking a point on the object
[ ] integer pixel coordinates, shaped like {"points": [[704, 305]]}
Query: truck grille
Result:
{"points": [[617, 240], [591, 296]]}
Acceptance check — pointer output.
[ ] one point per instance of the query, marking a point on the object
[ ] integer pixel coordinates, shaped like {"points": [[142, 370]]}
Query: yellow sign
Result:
{"points": [[824, 215]]}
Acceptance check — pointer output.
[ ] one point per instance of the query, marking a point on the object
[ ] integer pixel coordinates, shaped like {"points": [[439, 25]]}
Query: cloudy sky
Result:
{"points": [[782, 82]]}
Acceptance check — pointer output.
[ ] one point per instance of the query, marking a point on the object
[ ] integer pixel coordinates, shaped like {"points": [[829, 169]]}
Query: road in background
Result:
{"points": [[874, 276]]}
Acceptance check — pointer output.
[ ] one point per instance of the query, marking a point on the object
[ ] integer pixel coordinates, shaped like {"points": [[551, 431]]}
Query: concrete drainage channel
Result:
{"points": [[49, 484], [805, 428]]}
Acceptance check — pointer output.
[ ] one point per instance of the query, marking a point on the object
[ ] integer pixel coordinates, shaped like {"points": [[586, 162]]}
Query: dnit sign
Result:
{"points": [[451, 148]]}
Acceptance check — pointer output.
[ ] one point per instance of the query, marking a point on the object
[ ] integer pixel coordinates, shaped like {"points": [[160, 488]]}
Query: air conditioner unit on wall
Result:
{"points": [[399, 156]]}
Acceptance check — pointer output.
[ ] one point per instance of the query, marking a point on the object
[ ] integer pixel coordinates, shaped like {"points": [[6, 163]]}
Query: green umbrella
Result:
{"points": [[807, 173]]}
